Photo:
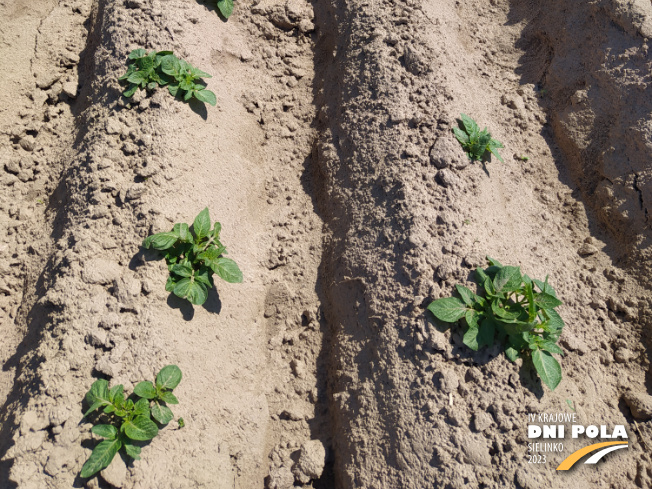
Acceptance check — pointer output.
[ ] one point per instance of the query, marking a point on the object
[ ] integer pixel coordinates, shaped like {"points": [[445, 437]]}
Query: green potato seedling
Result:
{"points": [[150, 70], [516, 310], [124, 421], [192, 258], [476, 142]]}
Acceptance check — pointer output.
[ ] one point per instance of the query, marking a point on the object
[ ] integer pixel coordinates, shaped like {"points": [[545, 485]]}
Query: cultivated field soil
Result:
{"points": [[349, 206]]}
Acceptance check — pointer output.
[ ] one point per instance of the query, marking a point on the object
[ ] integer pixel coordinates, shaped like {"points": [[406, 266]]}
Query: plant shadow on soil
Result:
{"points": [[34, 318], [321, 425], [197, 107], [464, 355], [213, 303]]}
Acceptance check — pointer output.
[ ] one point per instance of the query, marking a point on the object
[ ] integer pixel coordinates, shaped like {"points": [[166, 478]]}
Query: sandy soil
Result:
{"points": [[349, 206]]}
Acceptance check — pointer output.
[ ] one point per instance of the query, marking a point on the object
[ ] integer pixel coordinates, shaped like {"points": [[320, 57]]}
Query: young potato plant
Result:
{"points": [[143, 71], [516, 310], [193, 257], [150, 70], [476, 142], [124, 421], [184, 78]]}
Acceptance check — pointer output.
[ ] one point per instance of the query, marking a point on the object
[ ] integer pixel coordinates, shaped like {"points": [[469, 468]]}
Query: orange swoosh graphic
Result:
{"points": [[575, 456]]}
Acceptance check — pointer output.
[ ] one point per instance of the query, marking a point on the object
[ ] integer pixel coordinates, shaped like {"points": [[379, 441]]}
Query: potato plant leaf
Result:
{"points": [[546, 301], [162, 413], [141, 429], [195, 292], [171, 283], [132, 450], [183, 270], [98, 396], [470, 338], [182, 231], [225, 7], [547, 367], [466, 294], [493, 146], [145, 389], [105, 431], [141, 407], [461, 136], [545, 287], [169, 398], [552, 347], [469, 125], [473, 318], [202, 224], [494, 263], [160, 241], [228, 270], [508, 279], [169, 377], [555, 322], [449, 310], [137, 53], [101, 457], [486, 332], [206, 96], [512, 353]]}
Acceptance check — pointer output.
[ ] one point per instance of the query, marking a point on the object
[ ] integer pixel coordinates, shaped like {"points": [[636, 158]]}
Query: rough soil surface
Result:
{"points": [[349, 206]]}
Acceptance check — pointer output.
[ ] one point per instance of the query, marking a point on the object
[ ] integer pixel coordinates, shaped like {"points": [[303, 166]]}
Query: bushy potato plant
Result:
{"points": [[513, 309], [149, 70], [123, 422], [192, 258]]}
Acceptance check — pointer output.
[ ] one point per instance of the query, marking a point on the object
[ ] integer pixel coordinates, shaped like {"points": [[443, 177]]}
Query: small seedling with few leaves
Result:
{"points": [[225, 7], [125, 421], [516, 310], [474, 141], [185, 80], [192, 258], [143, 71], [150, 70]]}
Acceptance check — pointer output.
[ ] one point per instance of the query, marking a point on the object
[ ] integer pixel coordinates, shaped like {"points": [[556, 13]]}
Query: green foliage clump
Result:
{"points": [[516, 310], [225, 7], [149, 70], [193, 257], [474, 141], [124, 421]]}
